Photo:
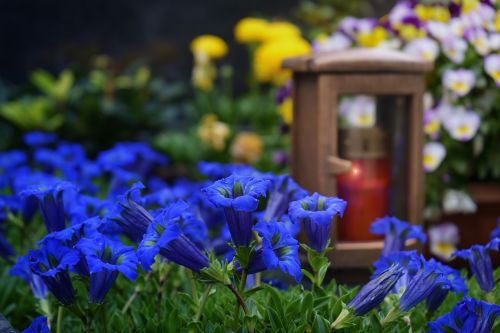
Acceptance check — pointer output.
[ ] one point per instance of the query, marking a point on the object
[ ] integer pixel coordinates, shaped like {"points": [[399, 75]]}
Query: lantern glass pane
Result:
{"points": [[374, 135]]}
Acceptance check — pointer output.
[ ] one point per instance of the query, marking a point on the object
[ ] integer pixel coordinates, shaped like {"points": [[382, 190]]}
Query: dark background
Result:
{"points": [[54, 34]]}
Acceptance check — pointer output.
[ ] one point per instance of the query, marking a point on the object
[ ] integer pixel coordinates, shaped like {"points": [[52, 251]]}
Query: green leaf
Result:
{"points": [[320, 324]]}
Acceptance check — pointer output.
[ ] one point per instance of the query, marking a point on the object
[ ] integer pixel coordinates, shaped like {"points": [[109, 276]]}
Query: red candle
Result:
{"points": [[366, 189]]}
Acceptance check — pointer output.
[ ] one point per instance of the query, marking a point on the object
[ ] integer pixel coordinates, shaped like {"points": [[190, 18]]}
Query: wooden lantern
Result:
{"points": [[323, 151]]}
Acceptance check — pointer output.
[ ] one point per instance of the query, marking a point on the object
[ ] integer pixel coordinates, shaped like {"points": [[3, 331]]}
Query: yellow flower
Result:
{"points": [[281, 30], [204, 72], [432, 127], [214, 46], [372, 38], [443, 250], [250, 30], [469, 5], [497, 21], [410, 32], [269, 56], [285, 110], [213, 133], [432, 13], [247, 148]]}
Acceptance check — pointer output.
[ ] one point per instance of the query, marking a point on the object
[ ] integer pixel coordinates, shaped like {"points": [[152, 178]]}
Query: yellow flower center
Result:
{"points": [[372, 38], [432, 127], [463, 130], [459, 86], [469, 5], [429, 161], [442, 249], [495, 75], [364, 120]]}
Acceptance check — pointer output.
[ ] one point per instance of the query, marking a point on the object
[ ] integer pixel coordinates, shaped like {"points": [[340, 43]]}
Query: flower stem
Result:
{"points": [[239, 298], [59, 319], [243, 281], [203, 301], [194, 290]]}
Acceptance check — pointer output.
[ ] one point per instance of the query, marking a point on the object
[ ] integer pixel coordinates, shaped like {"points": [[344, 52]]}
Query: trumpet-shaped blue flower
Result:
{"points": [[317, 213], [469, 315], [429, 279], [479, 260], [396, 232], [132, 217], [38, 325], [456, 284], [239, 196], [22, 270], [6, 250], [50, 199], [105, 259], [51, 262], [39, 139], [374, 292], [284, 190], [166, 237], [215, 170], [408, 260], [279, 250], [12, 159], [72, 235]]}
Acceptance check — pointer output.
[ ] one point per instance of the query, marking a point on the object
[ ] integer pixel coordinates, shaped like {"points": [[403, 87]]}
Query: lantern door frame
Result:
{"points": [[319, 82]]}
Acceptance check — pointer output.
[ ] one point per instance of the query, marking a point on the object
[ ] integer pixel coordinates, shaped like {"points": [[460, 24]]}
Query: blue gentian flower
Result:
{"points": [[317, 213], [38, 325], [135, 157], [456, 285], [216, 171], [6, 250], [12, 159], [480, 262], [50, 199], [408, 260], [239, 196], [374, 292], [396, 232], [38, 139], [105, 259], [165, 236], [279, 250], [429, 279], [469, 315], [51, 262], [131, 216], [284, 190], [22, 270], [72, 235]]}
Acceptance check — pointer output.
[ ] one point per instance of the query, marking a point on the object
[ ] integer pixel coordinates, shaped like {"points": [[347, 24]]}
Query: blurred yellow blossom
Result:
{"points": [[214, 46], [372, 38], [250, 30], [285, 109], [469, 5], [410, 32], [247, 147], [432, 13], [497, 21], [281, 30], [213, 132], [270, 55], [204, 72]]}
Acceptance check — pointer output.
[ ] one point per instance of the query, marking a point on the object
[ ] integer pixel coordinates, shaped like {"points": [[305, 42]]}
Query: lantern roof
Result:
{"points": [[359, 60]]}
